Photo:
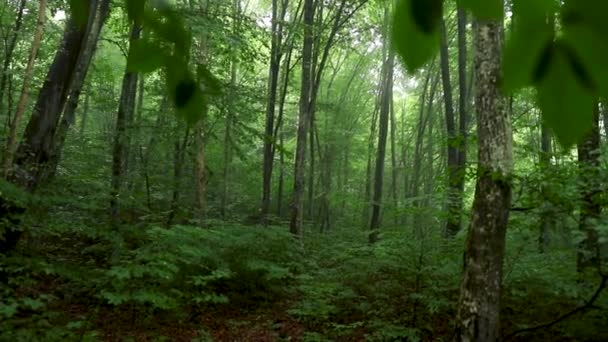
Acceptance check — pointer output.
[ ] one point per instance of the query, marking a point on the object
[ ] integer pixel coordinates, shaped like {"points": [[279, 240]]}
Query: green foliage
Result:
{"points": [[416, 31], [567, 70], [190, 267]]}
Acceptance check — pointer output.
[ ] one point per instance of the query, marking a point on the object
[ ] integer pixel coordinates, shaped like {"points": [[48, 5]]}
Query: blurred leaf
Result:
{"points": [[566, 104], [415, 33], [145, 56]]}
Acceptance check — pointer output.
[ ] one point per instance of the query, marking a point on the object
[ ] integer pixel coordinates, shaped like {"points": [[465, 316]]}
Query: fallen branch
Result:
{"points": [[587, 305]]}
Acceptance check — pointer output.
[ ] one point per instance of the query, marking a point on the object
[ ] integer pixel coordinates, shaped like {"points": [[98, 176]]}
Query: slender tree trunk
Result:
{"points": [[478, 316], [85, 111], [303, 120], [546, 221], [11, 144], [463, 119], [8, 53], [200, 179], [274, 68], [386, 103], [178, 165], [230, 114], [453, 221], [590, 192], [121, 138]]}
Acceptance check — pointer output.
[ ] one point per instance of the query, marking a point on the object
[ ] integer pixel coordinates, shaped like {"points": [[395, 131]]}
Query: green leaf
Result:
{"points": [[185, 92], [523, 53], [80, 12], [591, 52], [145, 56], [566, 104], [415, 33], [484, 9]]}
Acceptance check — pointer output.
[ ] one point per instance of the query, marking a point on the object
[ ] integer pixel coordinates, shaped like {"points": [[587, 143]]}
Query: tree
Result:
{"points": [[273, 79], [124, 120], [303, 120], [590, 190], [11, 143], [479, 303], [386, 102]]}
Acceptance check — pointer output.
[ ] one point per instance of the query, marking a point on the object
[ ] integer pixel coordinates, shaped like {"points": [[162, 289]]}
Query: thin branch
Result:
{"points": [[586, 306]]}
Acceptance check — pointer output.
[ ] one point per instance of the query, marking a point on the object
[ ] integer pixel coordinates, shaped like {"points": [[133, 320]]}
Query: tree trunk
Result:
{"points": [[590, 192], [121, 138], [463, 119], [478, 316], [546, 219], [36, 147], [11, 144], [273, 72], [453, 221], [303, 120], [85, 111], [386, 102], [230, 114], [200, 179], [97, 17], [8, 53]]}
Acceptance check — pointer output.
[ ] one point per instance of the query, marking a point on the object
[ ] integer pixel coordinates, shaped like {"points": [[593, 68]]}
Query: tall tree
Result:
{"points": [[463, 122], [303, 119], [124, 116], [478, 316], [385, 108], [97, 19], [10, 42], [590, 190], [273, 79], [453, 223], [11, 144]]}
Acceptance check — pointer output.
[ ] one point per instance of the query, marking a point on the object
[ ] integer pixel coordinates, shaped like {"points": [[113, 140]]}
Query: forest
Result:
{"points": [[303, 170]]}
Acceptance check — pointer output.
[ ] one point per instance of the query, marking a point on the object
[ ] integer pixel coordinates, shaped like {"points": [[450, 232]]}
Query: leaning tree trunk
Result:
{"points": [[36, 148], [11, 144], [97, 19], [121, 137], [478, 316]]}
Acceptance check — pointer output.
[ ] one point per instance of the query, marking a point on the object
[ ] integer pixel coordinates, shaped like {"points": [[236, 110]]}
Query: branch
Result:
{"points": [[587, 305]]}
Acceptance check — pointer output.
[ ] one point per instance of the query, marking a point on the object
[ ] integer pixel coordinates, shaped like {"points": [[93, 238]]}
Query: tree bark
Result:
{"points": [[121, 138], [36, 147], [11, 144], [8, 54], [97, 17], [478, 316], [386, 102], [303, 120], [273, 72], [463, 119], [453, 221], [590, 193]]}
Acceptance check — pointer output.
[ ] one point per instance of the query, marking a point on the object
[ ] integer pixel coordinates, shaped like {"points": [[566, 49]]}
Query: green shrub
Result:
{"points": [[191, 267]]}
